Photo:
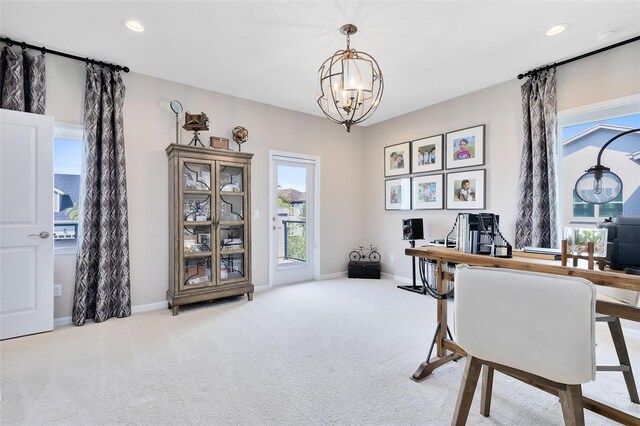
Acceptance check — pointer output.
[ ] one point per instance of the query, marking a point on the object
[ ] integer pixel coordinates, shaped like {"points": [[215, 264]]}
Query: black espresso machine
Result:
{"points": [[623, 242]]}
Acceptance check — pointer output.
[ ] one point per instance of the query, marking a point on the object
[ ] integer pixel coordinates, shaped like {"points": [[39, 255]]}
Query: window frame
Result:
{"points": [[74, 132]]}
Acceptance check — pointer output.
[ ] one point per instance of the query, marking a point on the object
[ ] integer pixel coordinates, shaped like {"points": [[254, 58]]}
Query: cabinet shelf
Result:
{"points": [[234, 251], [197, 254], [195, 223], [197, 167], [232, 222], [198, 285], [196, 192]]}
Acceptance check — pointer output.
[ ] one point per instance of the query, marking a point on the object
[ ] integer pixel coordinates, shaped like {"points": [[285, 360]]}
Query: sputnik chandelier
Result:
{"points": [[351, 84]]}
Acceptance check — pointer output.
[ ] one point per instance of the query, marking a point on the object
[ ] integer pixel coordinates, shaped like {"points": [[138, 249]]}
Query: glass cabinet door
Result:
{"points": [[196, 176], [197, 225], [231, 178], [231, 210]]}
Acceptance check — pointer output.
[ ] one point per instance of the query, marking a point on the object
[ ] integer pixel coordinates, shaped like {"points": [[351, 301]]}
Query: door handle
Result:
{"points": [[276, 227], [44, 235]]}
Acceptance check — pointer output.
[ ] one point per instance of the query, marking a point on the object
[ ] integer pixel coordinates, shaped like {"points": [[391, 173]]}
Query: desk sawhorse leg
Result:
{"points": [[442, 329]]}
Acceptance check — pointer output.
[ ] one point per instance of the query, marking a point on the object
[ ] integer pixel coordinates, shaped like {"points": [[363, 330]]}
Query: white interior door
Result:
{"points": [[292, 220], [26, 223]]}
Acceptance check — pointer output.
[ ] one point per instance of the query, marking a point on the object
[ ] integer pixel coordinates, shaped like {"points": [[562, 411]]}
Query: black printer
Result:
{"points": [[623, 242]]}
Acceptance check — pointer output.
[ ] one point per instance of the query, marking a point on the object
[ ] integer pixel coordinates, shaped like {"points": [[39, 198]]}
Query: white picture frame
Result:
{"points": [[427, 154], [465, 147], [466, 196], [397, 194], [397, 159], [428, 192]]}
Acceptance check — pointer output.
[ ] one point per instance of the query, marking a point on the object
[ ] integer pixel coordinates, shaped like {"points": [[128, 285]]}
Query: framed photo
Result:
{"points": [[427, 154], [397, 159], [466, 190], [465, 148], [398, 194], [428, 192]]}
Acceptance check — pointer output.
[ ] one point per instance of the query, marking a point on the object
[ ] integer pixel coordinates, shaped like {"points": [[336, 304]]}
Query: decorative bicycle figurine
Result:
{"points": [[361, 254]]}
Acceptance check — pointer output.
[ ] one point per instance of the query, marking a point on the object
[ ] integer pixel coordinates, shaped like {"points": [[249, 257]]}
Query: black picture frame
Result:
{"points": [[405, 193], [440, 186], [475, 135], [437, 141], [400, 149], [478, 187]]}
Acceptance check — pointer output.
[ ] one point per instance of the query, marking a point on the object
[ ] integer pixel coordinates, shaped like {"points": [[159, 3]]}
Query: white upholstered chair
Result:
{"points": [[624, 297], [536, 327]]}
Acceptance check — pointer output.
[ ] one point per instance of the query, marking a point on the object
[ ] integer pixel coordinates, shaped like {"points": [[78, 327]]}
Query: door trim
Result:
{"points": [[305, 159]]}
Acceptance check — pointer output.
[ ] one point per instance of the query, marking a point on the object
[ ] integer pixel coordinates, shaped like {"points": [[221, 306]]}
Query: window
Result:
{"points": [[583, 132], [67, 164], [601, 211]]}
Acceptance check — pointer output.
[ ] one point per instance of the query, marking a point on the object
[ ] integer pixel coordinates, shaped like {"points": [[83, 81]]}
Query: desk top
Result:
{"points": [[607, 277]]}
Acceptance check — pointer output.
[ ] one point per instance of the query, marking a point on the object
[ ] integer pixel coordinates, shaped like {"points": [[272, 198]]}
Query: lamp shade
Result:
{"points": [[598, 186]]}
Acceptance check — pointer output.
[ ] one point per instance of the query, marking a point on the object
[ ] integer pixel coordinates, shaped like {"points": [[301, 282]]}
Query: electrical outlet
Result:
{"points": [[256, 214], [57, 290], [392, 258]]}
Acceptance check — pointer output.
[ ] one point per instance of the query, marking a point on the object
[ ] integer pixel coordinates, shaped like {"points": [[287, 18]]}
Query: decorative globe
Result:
{"points": [[240, 134]]}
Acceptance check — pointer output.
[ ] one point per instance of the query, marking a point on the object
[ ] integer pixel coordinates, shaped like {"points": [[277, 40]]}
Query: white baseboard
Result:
{"points": [[396, 278], [333, 276], [149, 307], [58, 322]]}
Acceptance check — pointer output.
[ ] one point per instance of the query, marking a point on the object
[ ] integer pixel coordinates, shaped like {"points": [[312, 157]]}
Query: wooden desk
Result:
{"points": [[447, 350]]}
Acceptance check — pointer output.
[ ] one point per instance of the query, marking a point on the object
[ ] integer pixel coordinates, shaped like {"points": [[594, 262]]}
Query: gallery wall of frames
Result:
{"points": [[412, 181]]}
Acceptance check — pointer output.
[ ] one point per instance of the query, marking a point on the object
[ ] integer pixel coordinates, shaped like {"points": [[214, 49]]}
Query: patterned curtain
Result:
{"points": [[22, 81], [538, 221], [102, 286]]}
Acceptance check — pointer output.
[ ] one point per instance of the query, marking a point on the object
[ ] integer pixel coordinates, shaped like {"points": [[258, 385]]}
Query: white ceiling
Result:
{"points": [[270, 51]]}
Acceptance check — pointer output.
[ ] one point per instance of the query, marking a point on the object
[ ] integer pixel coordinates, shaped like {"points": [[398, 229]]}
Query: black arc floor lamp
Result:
{"points": [[599, 185]]}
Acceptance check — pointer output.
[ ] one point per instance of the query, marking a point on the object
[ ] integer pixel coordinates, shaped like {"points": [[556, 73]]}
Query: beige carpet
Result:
{"points": [[330, 352]]}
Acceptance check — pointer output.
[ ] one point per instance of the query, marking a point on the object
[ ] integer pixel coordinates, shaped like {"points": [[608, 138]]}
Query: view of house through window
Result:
{"points": [[67, 163], [580, 146], [292, 214]]}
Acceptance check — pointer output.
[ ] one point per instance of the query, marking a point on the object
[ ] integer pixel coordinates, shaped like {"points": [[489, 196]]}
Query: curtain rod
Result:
{"points": [[10, 42], [566, 61]]}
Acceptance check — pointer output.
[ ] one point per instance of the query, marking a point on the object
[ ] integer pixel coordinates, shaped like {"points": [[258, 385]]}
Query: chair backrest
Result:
{"points": [[539, 323]]}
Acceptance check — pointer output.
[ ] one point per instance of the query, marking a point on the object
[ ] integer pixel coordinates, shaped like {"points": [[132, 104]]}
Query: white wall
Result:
{"points": [[150, 127], [601, 77]]}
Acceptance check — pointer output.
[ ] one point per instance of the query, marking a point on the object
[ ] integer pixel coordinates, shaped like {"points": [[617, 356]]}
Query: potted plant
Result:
{"points": [[579, 238]]}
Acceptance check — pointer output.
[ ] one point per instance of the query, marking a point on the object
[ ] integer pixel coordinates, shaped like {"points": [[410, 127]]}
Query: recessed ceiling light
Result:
{"points": [[605, 35], [134, 25], [556, 29]]}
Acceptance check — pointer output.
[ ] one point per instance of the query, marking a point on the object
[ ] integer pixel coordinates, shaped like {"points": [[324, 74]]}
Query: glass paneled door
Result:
{"points": [[197, 225], [292, 220], [231, 226]]}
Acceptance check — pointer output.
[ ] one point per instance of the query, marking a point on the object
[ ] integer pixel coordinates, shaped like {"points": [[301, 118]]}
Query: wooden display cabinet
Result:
{"points": [[209, 225]]}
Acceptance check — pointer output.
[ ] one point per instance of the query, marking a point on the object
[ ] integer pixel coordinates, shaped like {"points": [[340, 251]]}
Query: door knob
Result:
{"points": [[44, 235]]}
